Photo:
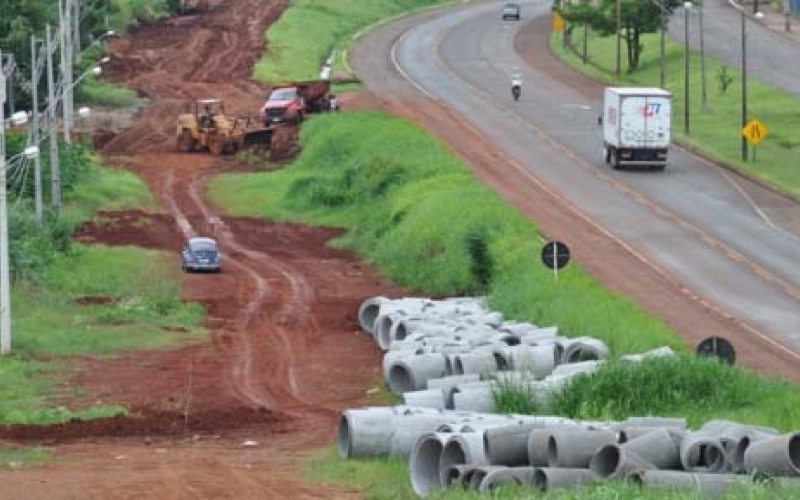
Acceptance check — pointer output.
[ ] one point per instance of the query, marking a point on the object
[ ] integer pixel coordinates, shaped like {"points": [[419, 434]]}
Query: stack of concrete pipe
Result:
{"points": [[482, 451]]}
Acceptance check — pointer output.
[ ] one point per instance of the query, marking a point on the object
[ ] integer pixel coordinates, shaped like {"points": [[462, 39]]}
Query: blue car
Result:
{"points": [[201, 254]]}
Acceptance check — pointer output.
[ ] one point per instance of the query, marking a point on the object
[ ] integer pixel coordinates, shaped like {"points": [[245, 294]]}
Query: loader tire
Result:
{"points": [[215, 144], [185, 142]]}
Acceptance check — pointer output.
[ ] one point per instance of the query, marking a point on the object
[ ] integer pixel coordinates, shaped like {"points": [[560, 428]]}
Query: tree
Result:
{"points": [[637, 17]]}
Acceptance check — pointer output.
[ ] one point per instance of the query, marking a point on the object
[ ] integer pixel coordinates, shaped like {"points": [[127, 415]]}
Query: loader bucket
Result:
{"points": [[258, 137]]}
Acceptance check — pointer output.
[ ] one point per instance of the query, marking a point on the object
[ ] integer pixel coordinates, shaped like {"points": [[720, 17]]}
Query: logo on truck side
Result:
{"points": [[651, 109]]}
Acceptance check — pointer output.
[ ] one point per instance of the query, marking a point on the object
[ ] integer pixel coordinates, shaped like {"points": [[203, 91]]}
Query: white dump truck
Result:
{"points": [[636, 126]]}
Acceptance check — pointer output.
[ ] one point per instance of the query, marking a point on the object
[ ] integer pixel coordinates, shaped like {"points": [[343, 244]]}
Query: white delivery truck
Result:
{"points": [[636, 126]]}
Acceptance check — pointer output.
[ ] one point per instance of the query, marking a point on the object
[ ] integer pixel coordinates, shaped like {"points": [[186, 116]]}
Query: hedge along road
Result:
{"points": [[695, 225]]}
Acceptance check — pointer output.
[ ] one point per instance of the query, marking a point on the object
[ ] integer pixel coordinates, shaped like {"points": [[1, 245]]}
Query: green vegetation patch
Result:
{"points": [[107, 189], [294, 55], [715, 129], [22, 458], [695, 388], [105, 300]]}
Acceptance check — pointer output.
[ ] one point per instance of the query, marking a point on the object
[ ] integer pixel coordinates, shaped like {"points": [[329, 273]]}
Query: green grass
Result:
{"points": [[294, 55], [139, 304], [107, 189], [716, 130], [15, 459], [106, 94]]}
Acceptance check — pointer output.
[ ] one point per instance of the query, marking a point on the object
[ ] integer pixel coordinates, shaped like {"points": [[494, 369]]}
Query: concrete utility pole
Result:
{"points": [[37, 172], [5, 283], [65, 37], [55, 171]]}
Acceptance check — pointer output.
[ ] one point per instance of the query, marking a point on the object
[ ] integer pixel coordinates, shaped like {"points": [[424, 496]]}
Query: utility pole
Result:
{"points": [[37, 173], [704, 94], [65, 36], [744, 82], [619, 34], [5, 283], [52, 124]]}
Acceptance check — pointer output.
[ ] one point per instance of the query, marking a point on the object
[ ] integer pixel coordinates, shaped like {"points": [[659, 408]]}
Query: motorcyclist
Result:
{"points": [[516, 86]]}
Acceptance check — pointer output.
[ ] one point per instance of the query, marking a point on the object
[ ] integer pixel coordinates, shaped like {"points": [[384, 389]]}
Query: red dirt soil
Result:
{"points": [[237, 416]]}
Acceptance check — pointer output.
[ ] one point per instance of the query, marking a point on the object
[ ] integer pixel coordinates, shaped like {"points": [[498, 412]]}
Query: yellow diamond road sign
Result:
{"points": [[559, 25], [755, 132]]}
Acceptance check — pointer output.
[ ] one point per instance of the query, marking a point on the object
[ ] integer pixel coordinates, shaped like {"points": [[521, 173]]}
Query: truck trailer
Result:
{"points": [[636, 126]]}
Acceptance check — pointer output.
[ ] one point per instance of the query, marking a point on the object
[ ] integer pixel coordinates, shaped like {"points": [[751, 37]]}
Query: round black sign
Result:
{"points": [[717, 347], [555, 255]]}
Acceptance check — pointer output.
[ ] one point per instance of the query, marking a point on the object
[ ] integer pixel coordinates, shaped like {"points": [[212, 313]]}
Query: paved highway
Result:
{"points": [[725, 238]]}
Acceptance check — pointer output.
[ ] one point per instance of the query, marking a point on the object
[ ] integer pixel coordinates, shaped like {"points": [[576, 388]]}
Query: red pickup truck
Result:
{"points": [[290, 103]]}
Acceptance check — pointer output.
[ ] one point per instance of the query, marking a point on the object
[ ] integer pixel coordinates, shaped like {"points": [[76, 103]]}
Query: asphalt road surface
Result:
{"points": [[725, 238]]}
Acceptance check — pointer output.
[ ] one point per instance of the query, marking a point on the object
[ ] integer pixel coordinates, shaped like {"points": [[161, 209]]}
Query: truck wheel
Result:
{"points": [[185, 142], [608, 156], [615, 160], [299, 118]]}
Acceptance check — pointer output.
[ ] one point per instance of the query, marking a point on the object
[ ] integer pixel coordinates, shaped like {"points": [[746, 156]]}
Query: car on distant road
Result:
{"points": [[511, 10], [201, 254]]}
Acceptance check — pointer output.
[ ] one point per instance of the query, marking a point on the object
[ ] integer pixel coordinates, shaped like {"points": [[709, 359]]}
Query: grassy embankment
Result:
{"points": [[294, 55], [715, 130]]}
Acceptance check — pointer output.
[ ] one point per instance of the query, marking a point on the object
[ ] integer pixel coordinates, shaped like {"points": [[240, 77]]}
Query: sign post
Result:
{"points": [[555, 256], [755, 132]]}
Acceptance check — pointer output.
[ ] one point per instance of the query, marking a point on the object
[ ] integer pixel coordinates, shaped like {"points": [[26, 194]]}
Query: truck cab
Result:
{"points": [[283, 105]]}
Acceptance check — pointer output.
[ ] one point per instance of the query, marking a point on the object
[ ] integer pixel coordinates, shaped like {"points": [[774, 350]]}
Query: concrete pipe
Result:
{"points": [[584, 349], [429, 398], [424, 463], [626, 433], [412, 374], [516, 476], [702, 452], [508, 445], [476, 362], [651, 421], [707, 485], [661, 352], [475, 477], [776, 456], [661, 448], [612, 461], [531, 336], [577, 368], [390, 357], [454, 475], [449, 382], [538, 439], [462, 449], [549, 479], [407, 431], [365, 432], [540, 360], [575, 448], [449, 395], [476, 398], [368, 312]]}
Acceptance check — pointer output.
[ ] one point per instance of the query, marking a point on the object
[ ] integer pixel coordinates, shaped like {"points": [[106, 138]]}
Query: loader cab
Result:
{"points": [[207, 109]]}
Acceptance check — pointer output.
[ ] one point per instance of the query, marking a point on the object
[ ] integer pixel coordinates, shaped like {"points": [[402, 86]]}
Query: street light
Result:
{"points": [[757, 15], [686, 7], [19, 118]]}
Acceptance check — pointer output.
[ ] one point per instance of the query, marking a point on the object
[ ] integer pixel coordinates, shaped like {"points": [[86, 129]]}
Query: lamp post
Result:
{"points": [[686, 7], [703, 93], [18, 118], [619, 29], [757, 15]]}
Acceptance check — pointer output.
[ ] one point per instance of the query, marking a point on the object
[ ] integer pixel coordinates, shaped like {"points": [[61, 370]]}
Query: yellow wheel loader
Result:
{"points": [[208, 128]]}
